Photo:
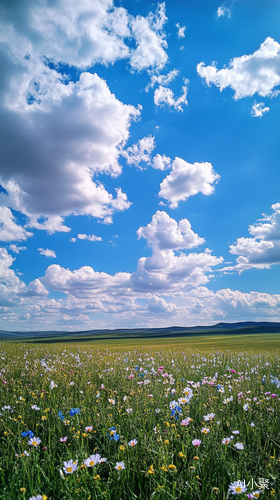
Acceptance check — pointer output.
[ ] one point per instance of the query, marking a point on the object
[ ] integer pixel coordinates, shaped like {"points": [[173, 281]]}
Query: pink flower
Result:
{"points": [[131, 376], [273, 395], [186, 421], [196, 442], [102, 386], [266, 393], [63, 440], [232, 371]]}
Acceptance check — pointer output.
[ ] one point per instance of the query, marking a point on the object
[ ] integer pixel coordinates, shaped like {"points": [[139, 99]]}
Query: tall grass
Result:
{"points": [[236, 386]]}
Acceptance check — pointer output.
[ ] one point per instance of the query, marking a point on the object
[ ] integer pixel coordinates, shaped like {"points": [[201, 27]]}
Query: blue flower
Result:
{"points": [[60, 415], [27, 434], [116, 437], [74, 411], [137, 368]]}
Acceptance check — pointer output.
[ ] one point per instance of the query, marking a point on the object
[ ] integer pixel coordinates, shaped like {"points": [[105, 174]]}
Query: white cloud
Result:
{"points": [[164, 233], [187, 179], [141, 152], [58, 151], [150, 40], [181, 30], [17, 249], [223, 11], [9, 229], [164, 95], [162, 79], [159, 305], [258, 109], [47, 253], [257, 73], [161, 162], [88, 237], [262, 249]]}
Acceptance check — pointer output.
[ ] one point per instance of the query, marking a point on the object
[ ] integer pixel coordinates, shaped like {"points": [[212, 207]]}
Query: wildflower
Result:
{"points": [[27, 434], [164, 468], [71, 383], [239, 446], [63, 440], [119, 466], [102, 460], [92, 460], [116, 437], [245, 407], [205, 430], [38, 497], [209, 416], [237, 488], [102, 386], [34, 441], [44, 417], [183, 401], [228, 400], [26, 453], [196, 458], [151, 469], [133, 442], [166, 441], [188, 392], [129, 410], [157, 410], [252, 424], [35, 407], [98, 395], [60, 415], [74, 411], [226, 441], [186, 421], [196, 442], [171, 466], [96, 478], [254, 494], [111, 401], [122, 448], [88, 428], [52, 385], [70, 467], [235, 432], [181, 455]]}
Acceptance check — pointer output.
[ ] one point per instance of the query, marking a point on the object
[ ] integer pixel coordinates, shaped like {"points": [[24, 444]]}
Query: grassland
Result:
{"points": [[184, 418]]}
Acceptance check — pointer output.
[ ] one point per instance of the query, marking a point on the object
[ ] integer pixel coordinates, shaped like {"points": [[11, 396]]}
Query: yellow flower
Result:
{"points": [[164, 468], [44, 417], [5, 433], [122, 448], [44, 497], [196, 477], [196, 458], [22, 490], [151, 469], [215, 489], [96, 477], [19, 416], [173, 425], [166, 441], [171, 466], [82, 466], [167, 424], [181, 454], [272, 492], [84, 435]]}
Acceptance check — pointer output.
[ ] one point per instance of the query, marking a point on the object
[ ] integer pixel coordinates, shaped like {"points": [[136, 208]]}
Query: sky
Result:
{"points": [[139, 163]]}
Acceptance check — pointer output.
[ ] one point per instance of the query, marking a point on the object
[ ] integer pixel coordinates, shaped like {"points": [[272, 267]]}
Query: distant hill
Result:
{"points": [[241, 328]]}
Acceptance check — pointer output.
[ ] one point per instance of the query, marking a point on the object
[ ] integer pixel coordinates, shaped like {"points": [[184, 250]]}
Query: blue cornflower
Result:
{"points": [[60, 415], [116, 437], [137, 368], [27, 434], [74, 411], [176, 411]]}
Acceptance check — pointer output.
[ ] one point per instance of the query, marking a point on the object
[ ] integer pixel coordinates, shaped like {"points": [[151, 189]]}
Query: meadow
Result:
{"points": [[152, 420]]}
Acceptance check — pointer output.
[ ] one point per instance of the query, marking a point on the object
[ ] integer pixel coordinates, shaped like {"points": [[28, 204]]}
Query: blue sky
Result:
{"points": [[139, 163]]}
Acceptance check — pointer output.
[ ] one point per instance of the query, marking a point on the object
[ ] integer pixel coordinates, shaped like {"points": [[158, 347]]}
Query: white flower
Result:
{"points": [[245, 407], [157, 410], [71, 383], [133, 442], [228, 400], [103, 460], [188, 392], [35, 407], [52, 385], [183, 401], [209, 416], [226, 440], [98, 395], [237, 488], [129, 410], [125, 398], [63, 440], [34, 441], [26, 453], [92, 460], [252, 424], [38, 497], [235, 432], [120, 466], [111, 401], [205, 430], [239, 446], [173, 404], [70, 467]]}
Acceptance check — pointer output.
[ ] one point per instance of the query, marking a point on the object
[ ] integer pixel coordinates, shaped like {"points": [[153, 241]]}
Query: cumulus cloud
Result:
{"points": [[181, 30], [257, 73], [161, 162], [88, 237], [9, 229], [140, 153], [162, 79], [164, 233], [47, 253], [187, 179], [258, 109], [165, 96], [223, 11], [158, 305], [262, 249], [59, 149]]}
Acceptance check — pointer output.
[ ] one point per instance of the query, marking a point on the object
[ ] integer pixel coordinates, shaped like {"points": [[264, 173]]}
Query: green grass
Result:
{"points": [[164, 463]]}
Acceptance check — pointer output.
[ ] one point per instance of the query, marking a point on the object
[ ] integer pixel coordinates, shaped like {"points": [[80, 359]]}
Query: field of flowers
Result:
{"points": [[87, 422]]}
